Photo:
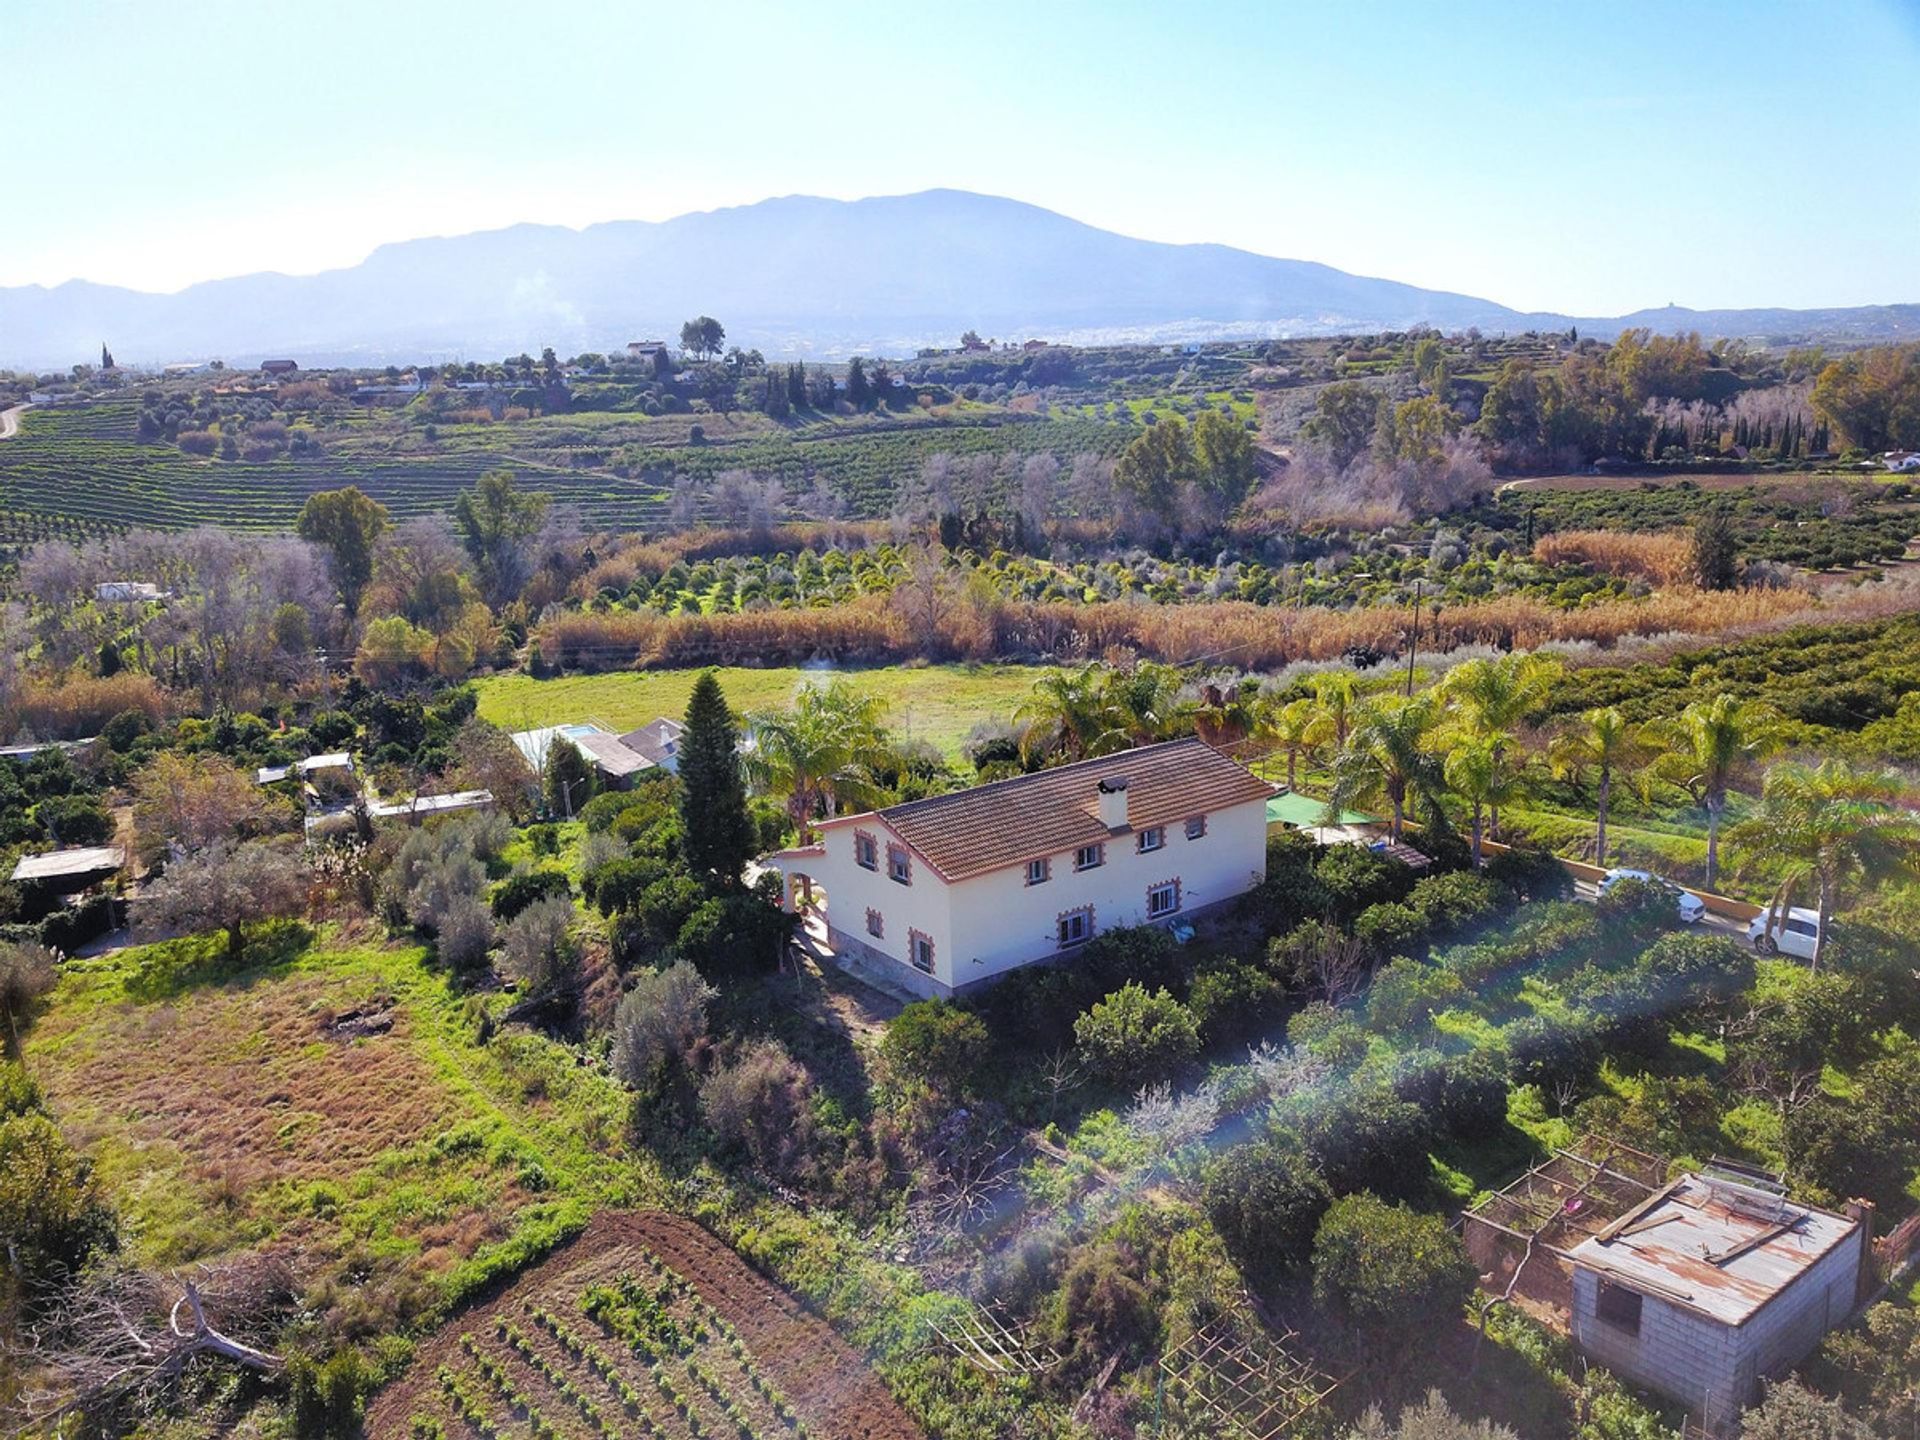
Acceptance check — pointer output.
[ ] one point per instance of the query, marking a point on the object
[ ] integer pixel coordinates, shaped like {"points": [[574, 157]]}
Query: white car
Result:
{"points": [[1795, 934], [1692, 908]]}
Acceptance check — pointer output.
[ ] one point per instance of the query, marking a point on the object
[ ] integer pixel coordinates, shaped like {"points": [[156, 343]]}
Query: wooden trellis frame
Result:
{"points": [[989, 1344], [1248, 1382]]}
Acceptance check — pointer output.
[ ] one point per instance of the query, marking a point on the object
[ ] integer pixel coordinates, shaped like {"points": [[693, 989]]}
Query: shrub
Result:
{"points": [[662, 1018], [465, 936], [1369, 1139], [1234, 1001], [1389, 928], [1407, 994], [936, 1044], [539, 949], [1388, 1270], [73, 820], [759, 1103], [53, 1215], [1530, 874], [1134, 1037], [1639, 909], [27, 975], [517, 892], [1267, 1202], [1354, 877]]}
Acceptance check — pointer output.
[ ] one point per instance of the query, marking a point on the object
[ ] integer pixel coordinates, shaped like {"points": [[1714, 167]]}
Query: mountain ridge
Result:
{"points": [[794, 275]]}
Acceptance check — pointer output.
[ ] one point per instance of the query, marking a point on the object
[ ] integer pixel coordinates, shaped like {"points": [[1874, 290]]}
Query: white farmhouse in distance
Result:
{"points": [[943, 895]]}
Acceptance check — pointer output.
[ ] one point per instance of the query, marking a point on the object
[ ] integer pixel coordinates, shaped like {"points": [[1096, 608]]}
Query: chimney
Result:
{"points": [[1113, 802]]}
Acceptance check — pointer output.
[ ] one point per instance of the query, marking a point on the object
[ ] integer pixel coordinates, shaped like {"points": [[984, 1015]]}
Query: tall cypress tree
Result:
{"points": [[717, 832], [797, 384]]}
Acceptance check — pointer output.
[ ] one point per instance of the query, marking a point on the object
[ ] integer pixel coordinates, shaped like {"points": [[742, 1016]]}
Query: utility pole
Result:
{"points": [[1413, 646]]}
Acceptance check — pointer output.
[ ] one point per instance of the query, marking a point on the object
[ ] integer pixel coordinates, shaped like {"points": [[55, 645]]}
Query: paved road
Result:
{"points": [[1589, 892]]}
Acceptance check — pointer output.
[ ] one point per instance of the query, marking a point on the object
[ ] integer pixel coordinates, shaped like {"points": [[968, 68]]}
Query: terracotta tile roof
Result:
{"points": [[989, 827]]}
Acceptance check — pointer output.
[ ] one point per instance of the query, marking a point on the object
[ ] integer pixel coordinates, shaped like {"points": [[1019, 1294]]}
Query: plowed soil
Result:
{"points": [[825, 1382]]}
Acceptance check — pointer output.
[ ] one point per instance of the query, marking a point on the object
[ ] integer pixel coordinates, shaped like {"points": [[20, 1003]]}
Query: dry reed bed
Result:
{"points": [[876, 631]]}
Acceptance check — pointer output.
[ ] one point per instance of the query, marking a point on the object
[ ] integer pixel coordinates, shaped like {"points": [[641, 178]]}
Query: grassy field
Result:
{"points": [[935, 703], [331, 1099]]}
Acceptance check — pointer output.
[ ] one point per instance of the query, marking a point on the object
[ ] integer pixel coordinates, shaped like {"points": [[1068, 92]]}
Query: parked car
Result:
{"points": [[1692, 908], [1795, 934]]}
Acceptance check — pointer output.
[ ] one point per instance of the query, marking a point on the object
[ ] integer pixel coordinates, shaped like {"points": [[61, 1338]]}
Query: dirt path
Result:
{"points": [[10, 421]]}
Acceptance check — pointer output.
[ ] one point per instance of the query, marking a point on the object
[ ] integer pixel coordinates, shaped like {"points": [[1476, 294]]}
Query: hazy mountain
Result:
{"points": [[792, 276]]}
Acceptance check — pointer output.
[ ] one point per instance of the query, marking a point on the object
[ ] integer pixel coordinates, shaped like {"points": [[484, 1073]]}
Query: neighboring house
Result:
{"points": [[659, 741], [127, 592], [272, 774], [1902, 462], [1714, 1284], [278, 367], [943, 895], [64, 871], [654, 350], [616, 758], [422, 806]]}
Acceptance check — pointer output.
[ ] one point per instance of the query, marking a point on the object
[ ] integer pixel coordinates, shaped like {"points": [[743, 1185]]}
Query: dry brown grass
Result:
{"points": [[74, 707], [870, 631], [1662, 558]]}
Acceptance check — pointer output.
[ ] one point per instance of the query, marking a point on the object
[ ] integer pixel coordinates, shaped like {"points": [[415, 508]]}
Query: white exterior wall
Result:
{"points": [[1710, 1367], [1001, 923], [983, 927], [851, 888]]}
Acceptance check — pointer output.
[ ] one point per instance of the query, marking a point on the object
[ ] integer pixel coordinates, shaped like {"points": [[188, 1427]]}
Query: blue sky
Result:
{"points": [[1585, 158]]}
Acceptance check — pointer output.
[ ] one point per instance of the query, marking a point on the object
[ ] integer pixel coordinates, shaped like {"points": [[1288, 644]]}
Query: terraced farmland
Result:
{"points": [[86, 463], [648, 1326]]}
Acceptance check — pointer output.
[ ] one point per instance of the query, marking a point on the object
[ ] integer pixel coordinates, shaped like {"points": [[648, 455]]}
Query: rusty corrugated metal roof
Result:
{"points": [[1705, 1246]]}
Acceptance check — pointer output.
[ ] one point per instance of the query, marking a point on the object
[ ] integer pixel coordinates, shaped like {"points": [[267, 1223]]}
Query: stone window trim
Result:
{"points": [[918, 941], [866, 850], [1039, 872], [1197, 828], [876, 924], [899, 864], [1061, 920], [1179, 898]]}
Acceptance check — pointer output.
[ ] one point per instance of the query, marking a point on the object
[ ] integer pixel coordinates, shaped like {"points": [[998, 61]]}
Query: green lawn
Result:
{"points": [[936, 703]]}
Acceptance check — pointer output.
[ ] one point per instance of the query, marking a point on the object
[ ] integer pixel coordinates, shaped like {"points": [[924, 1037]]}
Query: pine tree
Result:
{"points": [[569, 781], [717, 831]]}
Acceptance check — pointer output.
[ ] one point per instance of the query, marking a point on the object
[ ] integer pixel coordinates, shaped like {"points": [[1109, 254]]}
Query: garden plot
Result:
{"points": [[646, 1325]]}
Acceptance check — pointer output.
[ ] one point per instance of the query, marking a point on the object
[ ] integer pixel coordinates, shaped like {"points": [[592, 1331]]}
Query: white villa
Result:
{"points": [[940, 896]]}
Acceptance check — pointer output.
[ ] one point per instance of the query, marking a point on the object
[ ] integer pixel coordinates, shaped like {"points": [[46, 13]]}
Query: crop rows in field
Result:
{"points": [[866, 469], [645, 1326], [86, 463]]}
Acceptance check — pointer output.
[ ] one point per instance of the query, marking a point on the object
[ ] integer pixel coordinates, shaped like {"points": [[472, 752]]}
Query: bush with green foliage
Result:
{"points": [[1135, 1037], [937, 1044], [1266, 1199], [517, 892], [53, 1213], [1392, 1273]]}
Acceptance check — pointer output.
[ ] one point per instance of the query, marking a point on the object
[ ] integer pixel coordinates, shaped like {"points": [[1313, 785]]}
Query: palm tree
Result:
{"points": [[1485, 778], [1831, 825], [817, 753], [1336, 694], [1492, 699], [1603, 742], [1145, 702], [1389, 756], [1712, 747], [1291, 728], [1070, 712]]}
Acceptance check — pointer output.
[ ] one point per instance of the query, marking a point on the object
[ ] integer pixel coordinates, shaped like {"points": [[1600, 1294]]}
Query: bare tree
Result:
{"points": [[226, 887], [122, 1339]]}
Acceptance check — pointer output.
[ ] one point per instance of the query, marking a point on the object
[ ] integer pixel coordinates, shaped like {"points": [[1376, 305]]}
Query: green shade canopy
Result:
{"points": [[1306, 813]]}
